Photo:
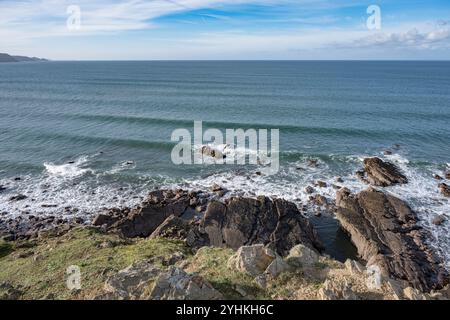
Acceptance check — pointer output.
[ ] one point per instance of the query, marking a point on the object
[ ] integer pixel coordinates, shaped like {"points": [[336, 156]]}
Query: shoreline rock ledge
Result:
{"points": [[385, 232], [231, 223]]}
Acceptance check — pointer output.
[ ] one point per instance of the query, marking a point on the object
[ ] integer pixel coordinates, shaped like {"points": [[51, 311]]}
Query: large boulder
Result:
{"points": [[175, 284], [384, 230], [132, 282], [253, 260], [381, 173], [301, 256], [243, 221]]}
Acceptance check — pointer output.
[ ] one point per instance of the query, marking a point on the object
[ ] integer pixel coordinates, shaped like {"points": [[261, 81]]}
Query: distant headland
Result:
{"points": [[4, 57]]}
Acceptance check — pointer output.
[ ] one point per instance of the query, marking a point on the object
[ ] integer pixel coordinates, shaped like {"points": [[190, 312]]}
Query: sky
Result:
{"points": [[226, 29]]}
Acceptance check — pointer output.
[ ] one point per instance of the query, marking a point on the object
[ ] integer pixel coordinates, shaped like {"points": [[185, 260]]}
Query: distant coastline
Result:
{"points": [[7, 58]]}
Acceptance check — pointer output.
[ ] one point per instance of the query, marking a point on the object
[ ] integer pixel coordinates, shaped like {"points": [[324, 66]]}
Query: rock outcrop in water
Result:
{"points": [[445, 189], [384, 229], [380, 173], [230, 223]]}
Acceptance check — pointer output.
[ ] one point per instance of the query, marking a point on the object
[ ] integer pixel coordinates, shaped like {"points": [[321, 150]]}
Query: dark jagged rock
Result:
{"points": [[161, 204], [19, 197], [232, 223], [447, 175], [243, 221], [445, 189], [177, 228], [380, 173], [384, 230]]}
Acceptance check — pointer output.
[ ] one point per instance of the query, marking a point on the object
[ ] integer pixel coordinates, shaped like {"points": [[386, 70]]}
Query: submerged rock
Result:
{"points": [[380, 173], [438, 220], [384, 230]]}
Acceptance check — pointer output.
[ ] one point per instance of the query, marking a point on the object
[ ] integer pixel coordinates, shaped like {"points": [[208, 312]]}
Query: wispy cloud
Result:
{"points": [[216, 29]]}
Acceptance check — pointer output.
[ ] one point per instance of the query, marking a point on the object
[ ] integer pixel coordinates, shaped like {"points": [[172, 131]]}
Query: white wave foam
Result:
{"points": [[421, 192], [68, 170]]}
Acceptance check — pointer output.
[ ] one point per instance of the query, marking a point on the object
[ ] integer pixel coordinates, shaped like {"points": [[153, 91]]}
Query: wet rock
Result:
{"points": [[176, 284], [380, 173], [438, 220], [447, 175], [384, 230], [132, 282], [387, 152], [2, 188], [244, 221], [253, 260], [313, 163], [211, 152], [339, 180], [18, 197], [321, 184], [320, 200], [445, 189], [437, 177], [309, 189], [215, 188]]}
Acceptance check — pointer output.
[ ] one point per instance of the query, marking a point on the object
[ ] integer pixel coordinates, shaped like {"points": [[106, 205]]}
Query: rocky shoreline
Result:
{"points": [[266, 239]]}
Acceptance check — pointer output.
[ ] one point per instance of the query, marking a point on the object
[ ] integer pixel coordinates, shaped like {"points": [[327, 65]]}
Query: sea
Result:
{"points": [[78, 137]]}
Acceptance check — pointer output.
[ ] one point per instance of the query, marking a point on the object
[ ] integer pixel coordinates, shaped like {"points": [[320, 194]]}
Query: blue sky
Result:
{"points": [[225, 29]]}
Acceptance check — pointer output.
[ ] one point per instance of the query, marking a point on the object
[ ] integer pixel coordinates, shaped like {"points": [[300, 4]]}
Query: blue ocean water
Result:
{"points": [[88, 135]]}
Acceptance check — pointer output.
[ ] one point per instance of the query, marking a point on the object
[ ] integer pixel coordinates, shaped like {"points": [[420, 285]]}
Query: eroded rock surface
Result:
{"points": [[244, 221], [232, 223], [176, 284], [384, 230], [380, 173]]}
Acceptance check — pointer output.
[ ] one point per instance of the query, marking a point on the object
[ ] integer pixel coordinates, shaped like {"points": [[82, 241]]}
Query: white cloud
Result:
{"points": [[437, 37]]}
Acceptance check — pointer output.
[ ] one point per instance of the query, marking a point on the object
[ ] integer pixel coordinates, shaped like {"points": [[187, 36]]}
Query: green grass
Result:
{"points": [[211, 263], [40, 268], [5, 248]]}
